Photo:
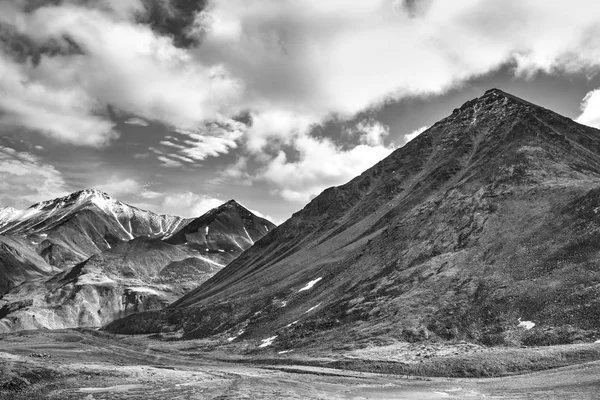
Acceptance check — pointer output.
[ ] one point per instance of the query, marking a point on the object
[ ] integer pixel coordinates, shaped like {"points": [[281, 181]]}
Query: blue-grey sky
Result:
{"points": [[177, 105]]}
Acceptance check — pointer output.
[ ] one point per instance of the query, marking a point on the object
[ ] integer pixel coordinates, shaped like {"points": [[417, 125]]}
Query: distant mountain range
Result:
{"points": [[483, 228], [86, 258]]}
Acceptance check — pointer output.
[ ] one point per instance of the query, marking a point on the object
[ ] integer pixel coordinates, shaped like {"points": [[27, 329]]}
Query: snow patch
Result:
{"points": [[293, 323], [310, 284], [139, 289], [206, 231], [285, 351], [284, 303], [247, 234], [266, 228], [525, 324], [312, 308], [221, 250], [268, 341]]}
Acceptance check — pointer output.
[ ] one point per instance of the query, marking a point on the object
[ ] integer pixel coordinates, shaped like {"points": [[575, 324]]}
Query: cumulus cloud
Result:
{"points": [[188, 204], [301, 61], [340, 57], [120, 63], [321, 164], [410, 136], [25, 179], [370, 132], [288, 64], [590, 109], [67, 113]]}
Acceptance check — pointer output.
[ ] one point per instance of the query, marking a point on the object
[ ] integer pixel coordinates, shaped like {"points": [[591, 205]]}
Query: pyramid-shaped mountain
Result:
{"points": [[487, 219]]}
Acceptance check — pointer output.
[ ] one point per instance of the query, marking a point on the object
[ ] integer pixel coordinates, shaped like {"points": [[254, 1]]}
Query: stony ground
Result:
{"points": [[76, 364]]}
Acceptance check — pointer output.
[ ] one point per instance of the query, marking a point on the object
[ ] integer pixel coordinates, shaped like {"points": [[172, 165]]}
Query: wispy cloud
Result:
{"points": [[136, 121]]}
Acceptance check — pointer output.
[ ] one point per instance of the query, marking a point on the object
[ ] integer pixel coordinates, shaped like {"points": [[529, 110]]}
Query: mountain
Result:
{"points": [[72, 228], [481, 227], [86, 259], [226, 223]]}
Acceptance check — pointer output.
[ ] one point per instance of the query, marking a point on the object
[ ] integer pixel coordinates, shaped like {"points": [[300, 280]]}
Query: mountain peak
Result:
{"points": [[90, 192]]}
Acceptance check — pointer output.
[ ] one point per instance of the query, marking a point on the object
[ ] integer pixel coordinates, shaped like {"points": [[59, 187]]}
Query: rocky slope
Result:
{"points": [[69, 229], [485, 227], [86, 259]]}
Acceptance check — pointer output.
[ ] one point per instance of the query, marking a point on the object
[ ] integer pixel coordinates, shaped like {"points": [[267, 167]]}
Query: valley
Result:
{"points": [[88, 364], [463, 265]]}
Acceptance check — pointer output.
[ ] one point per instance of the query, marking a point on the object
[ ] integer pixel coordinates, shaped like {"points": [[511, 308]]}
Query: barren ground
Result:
{"points": [[85, 364]]}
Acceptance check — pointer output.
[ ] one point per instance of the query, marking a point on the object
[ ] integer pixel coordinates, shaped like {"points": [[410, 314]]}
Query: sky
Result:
{"points": [[177, 106]]}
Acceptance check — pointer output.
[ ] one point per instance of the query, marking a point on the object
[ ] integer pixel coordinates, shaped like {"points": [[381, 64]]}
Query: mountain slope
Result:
{"points": [[84, 223], [86, 259], [487, 218]]}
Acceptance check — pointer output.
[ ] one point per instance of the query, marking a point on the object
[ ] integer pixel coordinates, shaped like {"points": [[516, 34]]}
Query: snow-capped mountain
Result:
{"points": [[86, 258], [69, 229], [7, 214], [128, 221]]}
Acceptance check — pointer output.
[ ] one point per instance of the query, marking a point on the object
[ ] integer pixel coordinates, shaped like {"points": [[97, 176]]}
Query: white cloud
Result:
{"points": [[124, 64], [168, 162], [289, 64], [590, 109], [25, 179], [136, 121], [188, 204], [339, 57], [410, 136], [65, 113], [370, 132], [116, 187], [150, 194], [321, 164]]}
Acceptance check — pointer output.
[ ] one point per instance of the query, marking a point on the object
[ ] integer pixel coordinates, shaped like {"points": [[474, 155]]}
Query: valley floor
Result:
{"points": [[85, 364]]}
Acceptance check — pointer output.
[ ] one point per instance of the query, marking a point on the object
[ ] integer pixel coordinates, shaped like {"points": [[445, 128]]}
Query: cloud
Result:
{"points": [[118, 187], [590, 109], [168, 162], [150, 194], [410, 136], [121, 64], [188, 204], [288, 64], [67, 113], [370, 132], [136, 121], [25, 179], [300, 62], [340, 57], [320, 164]]}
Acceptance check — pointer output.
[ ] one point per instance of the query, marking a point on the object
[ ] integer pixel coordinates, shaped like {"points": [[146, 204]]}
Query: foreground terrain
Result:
{"points": [[87, 364]]}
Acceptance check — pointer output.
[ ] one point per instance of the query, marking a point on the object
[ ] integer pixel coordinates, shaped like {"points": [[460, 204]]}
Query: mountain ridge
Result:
{"points": [[86, 258], [412, 244]]}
